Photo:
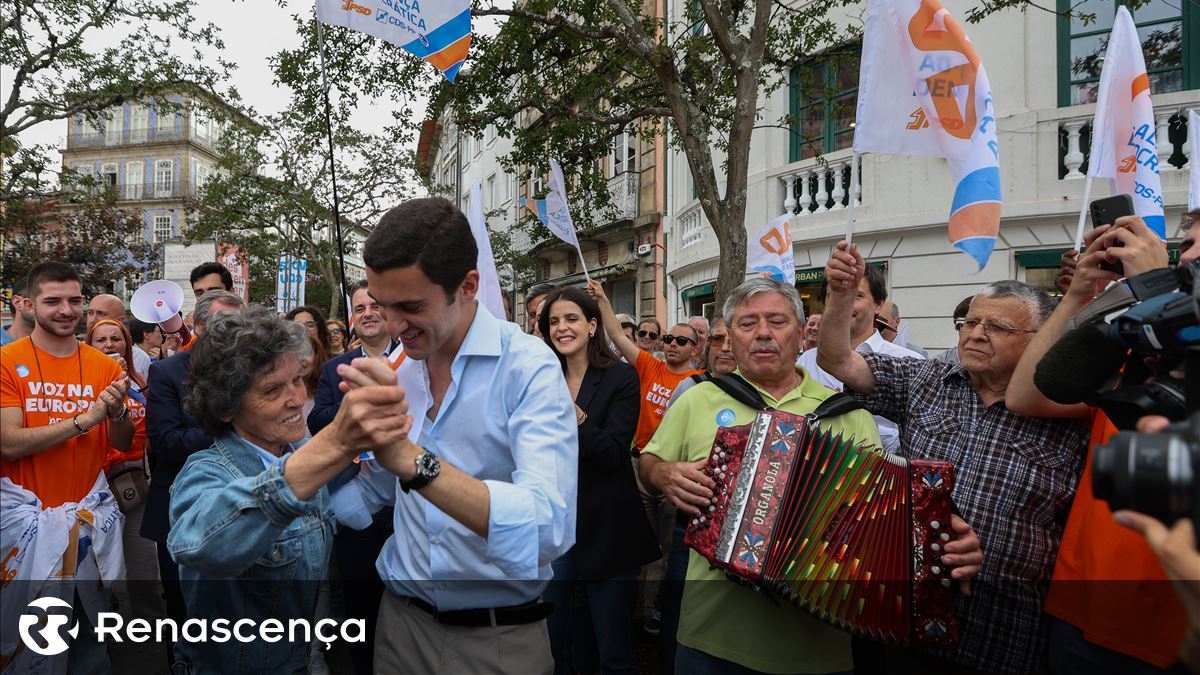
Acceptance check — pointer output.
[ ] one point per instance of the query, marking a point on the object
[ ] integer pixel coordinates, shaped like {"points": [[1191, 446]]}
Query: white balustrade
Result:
{"points": [[822, 187], [691, 226], [1076, 152]]}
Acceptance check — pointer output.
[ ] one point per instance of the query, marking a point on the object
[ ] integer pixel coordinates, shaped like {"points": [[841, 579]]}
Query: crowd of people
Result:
{"points": [[523, 509]]}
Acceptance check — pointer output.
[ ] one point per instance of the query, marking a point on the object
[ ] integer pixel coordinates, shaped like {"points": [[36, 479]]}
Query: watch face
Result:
{"points": [[428, 466]]}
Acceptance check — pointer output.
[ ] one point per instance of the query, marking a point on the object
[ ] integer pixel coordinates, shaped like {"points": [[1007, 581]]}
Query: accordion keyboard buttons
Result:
{"points": [[944, 537], [935, 546], [935, 524]]}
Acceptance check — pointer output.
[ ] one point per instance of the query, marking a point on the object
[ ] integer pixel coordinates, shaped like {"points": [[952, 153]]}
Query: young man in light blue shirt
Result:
{"points": [[485, 496]]}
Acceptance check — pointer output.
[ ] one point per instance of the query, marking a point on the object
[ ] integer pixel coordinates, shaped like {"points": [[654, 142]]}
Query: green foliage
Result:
{"points": [[83, 227]]}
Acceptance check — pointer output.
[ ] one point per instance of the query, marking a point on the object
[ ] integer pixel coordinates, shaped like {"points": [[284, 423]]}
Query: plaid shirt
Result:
{"points": [[1015, 477]]}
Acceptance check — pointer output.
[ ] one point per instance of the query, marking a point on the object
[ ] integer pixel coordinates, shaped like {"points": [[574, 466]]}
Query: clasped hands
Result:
{"points": [[374, 416]]}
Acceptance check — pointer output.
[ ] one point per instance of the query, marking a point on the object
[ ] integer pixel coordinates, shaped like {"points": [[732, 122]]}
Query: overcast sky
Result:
{"points": [[250, 39]]}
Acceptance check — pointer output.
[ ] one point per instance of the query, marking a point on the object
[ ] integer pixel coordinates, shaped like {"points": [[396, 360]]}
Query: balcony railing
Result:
{"points": [[625, 191], [691, 226], [817, 186], [1075, 141], [153, 190], [137, 136]]}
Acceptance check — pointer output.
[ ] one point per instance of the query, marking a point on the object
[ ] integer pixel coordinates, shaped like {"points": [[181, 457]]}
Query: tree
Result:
{"points": [[563, 77], [272, 194], [52, 73], [83, 228]]}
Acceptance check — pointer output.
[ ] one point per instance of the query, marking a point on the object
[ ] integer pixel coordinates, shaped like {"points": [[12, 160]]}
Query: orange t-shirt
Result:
{"points": [[1108, 583], [657, 384], [137, 448], [48, 389]]}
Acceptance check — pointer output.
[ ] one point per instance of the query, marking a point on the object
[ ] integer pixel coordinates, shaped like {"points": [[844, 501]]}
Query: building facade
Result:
{"points": [[1043, 70], [152, 155], [626, 253]]}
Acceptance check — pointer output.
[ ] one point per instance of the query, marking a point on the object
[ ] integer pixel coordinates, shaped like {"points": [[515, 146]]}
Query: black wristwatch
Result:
{"points": [[428, 468]]}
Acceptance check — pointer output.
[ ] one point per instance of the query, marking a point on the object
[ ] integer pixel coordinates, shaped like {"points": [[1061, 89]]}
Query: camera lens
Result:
{"points": [[1151, 473]]}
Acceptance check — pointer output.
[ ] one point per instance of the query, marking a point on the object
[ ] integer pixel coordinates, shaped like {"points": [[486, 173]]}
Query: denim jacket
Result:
{"points": [[246, 548]]}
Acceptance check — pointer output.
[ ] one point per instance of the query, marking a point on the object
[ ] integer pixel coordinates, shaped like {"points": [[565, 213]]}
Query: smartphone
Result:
{"points": [[1105, 212]]}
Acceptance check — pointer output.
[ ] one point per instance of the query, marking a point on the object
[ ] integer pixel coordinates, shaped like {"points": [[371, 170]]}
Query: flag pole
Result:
{"points": [[1087, 193], [582, 263], [337, 217], [850, 206]]}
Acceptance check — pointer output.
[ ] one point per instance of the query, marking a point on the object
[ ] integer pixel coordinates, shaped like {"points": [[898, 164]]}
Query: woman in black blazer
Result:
{"points": [[613, 539]]}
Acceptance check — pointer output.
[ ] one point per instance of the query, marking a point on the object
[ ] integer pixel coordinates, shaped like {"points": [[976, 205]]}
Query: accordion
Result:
{"points": [[842, 529]]}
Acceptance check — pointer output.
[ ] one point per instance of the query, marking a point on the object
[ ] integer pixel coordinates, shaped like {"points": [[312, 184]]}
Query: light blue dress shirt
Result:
{"points": [[508, 420]]}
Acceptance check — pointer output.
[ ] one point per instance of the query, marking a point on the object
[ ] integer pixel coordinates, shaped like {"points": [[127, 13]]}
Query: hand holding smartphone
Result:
{"points": [[1106, 211]]}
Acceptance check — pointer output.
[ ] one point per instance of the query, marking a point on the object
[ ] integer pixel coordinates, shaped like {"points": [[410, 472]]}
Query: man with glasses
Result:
{"points": [[1015, 475], [869, 297]]}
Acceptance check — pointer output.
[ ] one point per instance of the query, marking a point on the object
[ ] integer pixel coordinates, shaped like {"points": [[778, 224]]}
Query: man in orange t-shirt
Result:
{"points": [[62, 403]]}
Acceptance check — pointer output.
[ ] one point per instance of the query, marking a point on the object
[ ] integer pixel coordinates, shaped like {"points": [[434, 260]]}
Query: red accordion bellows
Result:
{"points": [[842, 529]]}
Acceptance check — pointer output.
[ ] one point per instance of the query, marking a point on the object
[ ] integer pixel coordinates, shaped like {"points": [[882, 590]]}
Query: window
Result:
{"points": [[199, 124], [108, 175], [537, 186], [490, 133], [696, 14], [510, 187], [466, 204], [624, 153], [823, 95], [165, 119], [139, 123], [134, 180], [1166, 28], [164, 177], [87, 129], [84, 170], [112, 126], [162, 228], [489, 193], [201, 172]]}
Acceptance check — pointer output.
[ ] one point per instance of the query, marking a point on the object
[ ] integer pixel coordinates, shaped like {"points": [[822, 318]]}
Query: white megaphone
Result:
{"points": [[159, 302]]}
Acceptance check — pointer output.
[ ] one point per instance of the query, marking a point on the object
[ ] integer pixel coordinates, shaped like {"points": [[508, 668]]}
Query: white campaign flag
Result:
{"points": [[770, 251], [923, 91], [438, 31], [1194, 160], [1124, 135], [558, 212], [489, 282]]}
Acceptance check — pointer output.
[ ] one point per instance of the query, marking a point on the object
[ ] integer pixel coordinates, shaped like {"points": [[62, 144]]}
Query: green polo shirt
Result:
{"points": [[722, 618]]}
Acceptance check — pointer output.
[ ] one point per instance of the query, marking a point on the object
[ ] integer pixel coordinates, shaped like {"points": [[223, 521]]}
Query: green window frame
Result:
{"points": [[822, 96], [1172, 69]]}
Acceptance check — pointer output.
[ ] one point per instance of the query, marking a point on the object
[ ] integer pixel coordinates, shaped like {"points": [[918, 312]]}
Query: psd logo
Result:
{"points": [[51, 633], [22, 370]]}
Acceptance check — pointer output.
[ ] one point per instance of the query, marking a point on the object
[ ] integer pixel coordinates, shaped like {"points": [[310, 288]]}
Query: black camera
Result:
{"points": [[1155, 473], [1101, 360]]}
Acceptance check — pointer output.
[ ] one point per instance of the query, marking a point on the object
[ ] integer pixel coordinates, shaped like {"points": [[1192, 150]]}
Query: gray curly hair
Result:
{"points": [[230, 356]]}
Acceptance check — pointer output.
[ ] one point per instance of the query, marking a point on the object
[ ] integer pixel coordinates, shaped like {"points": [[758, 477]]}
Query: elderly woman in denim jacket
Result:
{"points": [[251, 518]]}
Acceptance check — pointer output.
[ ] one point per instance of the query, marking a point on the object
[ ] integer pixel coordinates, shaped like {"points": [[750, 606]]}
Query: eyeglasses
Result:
{"points": [[335, 331], [681, 339], [990, 328], [647, 335], [716, 338]]}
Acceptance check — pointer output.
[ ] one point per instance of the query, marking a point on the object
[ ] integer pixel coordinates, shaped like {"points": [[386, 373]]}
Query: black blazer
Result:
{"points": [[172, 436], [328, 397], [612, 535]]}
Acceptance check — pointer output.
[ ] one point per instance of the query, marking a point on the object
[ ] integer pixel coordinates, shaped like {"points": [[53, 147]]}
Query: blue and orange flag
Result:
{"points": [[923, 91], [438, 31]]}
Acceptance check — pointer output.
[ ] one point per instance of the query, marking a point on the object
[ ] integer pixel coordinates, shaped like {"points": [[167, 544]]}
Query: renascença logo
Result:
{"points": [[112, 626], [51, 633]]}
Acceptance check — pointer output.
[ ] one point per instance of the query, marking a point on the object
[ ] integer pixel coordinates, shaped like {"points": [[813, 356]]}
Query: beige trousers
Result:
{"points": [[407, 640]]}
